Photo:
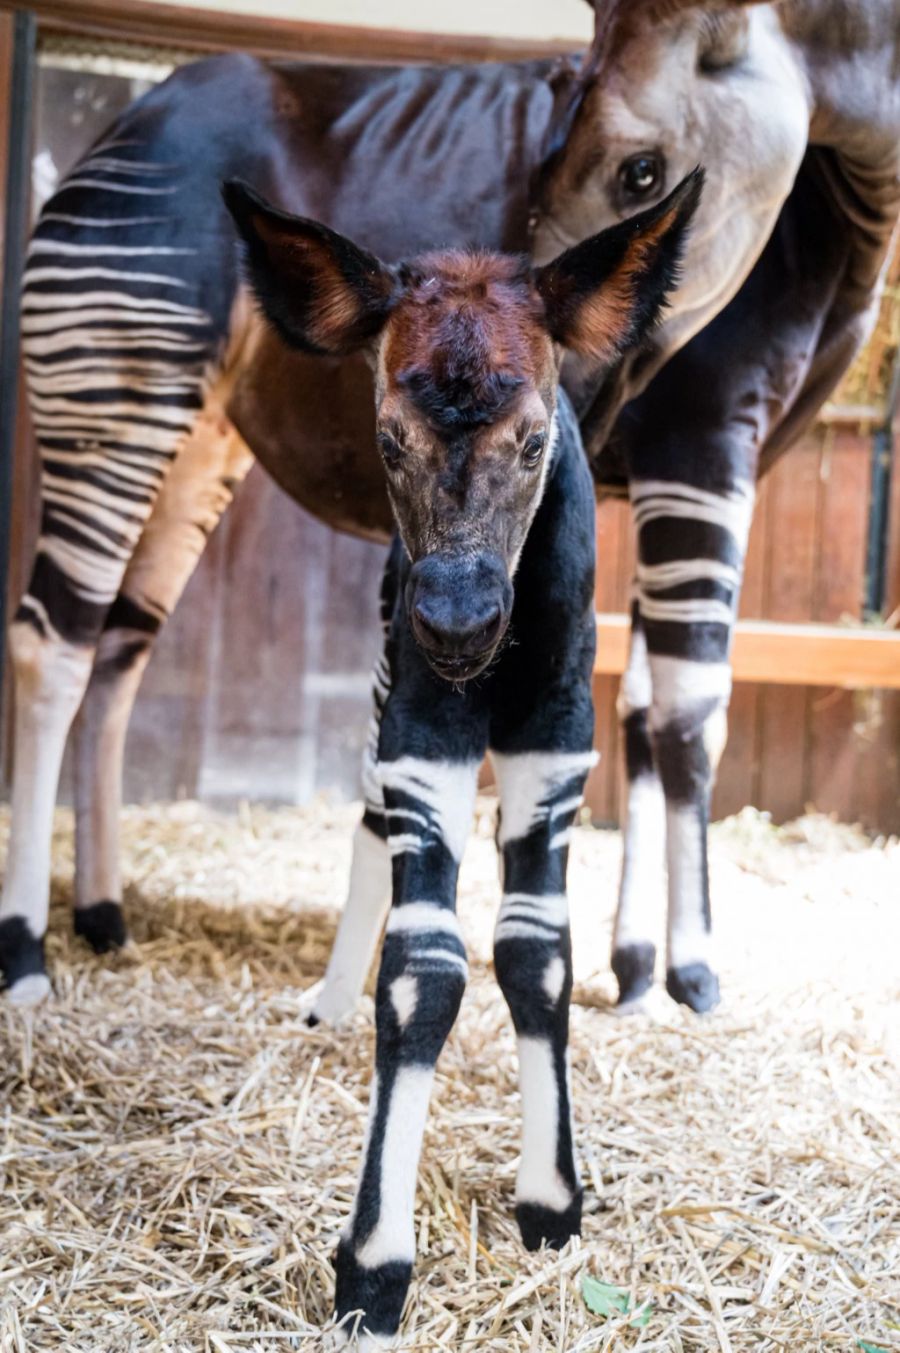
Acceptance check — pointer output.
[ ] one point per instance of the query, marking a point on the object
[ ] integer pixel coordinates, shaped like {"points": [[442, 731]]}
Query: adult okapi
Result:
{"points": [[151, 379]]}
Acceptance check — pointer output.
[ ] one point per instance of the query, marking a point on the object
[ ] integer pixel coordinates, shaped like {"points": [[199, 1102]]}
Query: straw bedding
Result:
{"points": [[178, 1152]]}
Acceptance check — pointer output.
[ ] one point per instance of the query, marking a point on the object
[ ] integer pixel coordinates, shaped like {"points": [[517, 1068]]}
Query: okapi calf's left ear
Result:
{"points": [[322, 292], [603, 295]]}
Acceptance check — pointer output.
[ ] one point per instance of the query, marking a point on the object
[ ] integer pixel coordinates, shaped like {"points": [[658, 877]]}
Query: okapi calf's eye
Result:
{"points": [[465, 349], [494, 506]]}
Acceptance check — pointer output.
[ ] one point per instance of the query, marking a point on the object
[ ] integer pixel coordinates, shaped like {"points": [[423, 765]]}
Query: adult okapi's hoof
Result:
{"points": [[542, 1226], [102, 925], [633, 965], [694, 985], [22, 964]]}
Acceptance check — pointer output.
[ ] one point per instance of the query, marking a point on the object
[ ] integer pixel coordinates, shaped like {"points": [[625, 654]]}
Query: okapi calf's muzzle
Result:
{"points": [[489, 483], [459, 608]]}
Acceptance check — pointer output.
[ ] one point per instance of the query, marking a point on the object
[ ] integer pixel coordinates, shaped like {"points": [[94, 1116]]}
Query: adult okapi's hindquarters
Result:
{"points": [[124, 319]]}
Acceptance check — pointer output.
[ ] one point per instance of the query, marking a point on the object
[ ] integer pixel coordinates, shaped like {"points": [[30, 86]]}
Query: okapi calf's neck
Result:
{"points": [[494, 507]]}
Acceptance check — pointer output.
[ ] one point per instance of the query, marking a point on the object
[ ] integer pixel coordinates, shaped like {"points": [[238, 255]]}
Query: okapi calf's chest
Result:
{"points": [[489, 644]]}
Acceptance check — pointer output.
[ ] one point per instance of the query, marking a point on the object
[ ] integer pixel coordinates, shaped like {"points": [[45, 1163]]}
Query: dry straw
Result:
{"points": [[178, 1152]]}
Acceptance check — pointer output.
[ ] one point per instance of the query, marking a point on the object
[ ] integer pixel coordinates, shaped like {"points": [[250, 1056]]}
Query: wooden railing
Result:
{"points": [[790, 655]]}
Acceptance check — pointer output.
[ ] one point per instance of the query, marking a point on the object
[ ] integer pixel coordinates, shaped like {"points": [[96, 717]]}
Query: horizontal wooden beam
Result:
{"points": [[209, 30], [789, 655]]}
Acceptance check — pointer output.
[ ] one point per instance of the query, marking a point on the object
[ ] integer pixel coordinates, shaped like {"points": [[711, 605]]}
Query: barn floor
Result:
{"points": [[179, 1150]]}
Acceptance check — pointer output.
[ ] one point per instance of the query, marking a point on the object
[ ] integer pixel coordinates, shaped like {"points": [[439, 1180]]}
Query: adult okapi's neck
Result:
{"points": [[849, 51]]}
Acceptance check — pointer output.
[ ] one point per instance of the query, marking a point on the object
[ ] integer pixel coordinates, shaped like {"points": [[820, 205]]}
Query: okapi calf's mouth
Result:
{"points": [[459, 609], [465, 349]]}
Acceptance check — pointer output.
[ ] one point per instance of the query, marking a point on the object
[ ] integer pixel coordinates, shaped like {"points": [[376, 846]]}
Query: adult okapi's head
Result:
{"points": [[465, 349], [668, 84]]}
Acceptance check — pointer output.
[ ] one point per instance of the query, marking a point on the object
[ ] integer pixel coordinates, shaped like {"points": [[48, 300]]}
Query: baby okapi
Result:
{"points": [[489, 619]]}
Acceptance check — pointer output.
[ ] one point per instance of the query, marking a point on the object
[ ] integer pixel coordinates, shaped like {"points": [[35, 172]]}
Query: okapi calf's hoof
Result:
{"points": [[695, 985], [633, 966], [378, 1292], [540, 1225], [102, 925], [22, 964]]}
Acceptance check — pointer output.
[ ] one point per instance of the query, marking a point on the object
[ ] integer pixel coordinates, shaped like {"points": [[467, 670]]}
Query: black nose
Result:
{"points": [[448, 634], [459, 606]]}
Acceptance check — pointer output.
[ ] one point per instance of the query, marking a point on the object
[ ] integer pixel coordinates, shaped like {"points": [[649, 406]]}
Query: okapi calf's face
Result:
{"points": [[466, 350]]}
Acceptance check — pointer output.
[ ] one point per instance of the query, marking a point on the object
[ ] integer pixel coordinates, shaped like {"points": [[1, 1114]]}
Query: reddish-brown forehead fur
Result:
{"points": [[467, 334]]}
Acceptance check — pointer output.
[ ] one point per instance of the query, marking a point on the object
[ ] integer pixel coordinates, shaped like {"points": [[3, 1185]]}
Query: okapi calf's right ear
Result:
{"points": [[603, 295], [322, 292]]}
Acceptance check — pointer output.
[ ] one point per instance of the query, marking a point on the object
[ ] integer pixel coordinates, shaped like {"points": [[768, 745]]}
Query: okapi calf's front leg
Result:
{"points": [[431, 743], [539, 793]]}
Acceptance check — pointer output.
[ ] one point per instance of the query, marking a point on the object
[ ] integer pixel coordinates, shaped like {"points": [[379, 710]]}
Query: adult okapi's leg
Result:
{"points": [[369, 892], [691, 545], [640, 890], [197, 490], [116, 346], [431, 743]]}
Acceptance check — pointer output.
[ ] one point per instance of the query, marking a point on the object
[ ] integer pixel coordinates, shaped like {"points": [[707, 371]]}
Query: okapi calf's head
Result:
{"points": [[466, 350]]}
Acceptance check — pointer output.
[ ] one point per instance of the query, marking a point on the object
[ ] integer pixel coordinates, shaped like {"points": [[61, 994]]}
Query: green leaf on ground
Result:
{"points": [[609, 1301], [870, 1348]]}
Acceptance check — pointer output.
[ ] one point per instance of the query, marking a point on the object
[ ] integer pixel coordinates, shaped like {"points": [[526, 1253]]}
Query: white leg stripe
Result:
{"points": [[423, 916], [393, 1237], [538, 1178], [689, 941], [526, 780], [445, 788]]}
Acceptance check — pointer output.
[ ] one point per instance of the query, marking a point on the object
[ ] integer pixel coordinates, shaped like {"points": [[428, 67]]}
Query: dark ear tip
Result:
{"points": [[686, 196], [237, 196]]}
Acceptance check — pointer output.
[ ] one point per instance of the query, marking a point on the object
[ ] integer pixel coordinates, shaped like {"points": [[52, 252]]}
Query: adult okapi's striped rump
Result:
{"points": [[115, 350]]}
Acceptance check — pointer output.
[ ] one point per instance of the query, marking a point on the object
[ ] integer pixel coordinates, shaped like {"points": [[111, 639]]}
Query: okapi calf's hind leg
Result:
{"points": [[197, 491], [369, 892], [431, 742]]}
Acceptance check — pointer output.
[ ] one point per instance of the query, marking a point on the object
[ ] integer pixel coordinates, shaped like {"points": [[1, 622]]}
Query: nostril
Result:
{"points": [[426, 627]]}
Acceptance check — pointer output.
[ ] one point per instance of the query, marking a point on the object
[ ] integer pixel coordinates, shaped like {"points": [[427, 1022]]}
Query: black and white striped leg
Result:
{"points": [[50, 677], [196, 492], [641, 887], [428, 807], [691, 546], [539, 794], [688, 738]]}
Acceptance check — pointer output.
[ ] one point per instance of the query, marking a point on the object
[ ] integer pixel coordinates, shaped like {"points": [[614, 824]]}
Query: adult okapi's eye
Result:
{"points": [[641, 174], [391, 451], [533, 450]]}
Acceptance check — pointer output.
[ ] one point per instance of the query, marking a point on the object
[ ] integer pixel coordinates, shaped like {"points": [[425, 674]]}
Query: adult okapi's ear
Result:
{"points": [[602, 296], [322, 292]]}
